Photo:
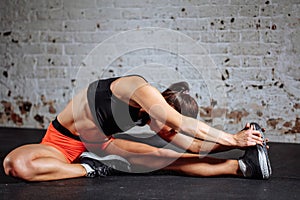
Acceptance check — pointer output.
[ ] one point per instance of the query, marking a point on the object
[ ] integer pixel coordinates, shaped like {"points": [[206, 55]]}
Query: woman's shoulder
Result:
{"points": [[131, 81], [126, 85], [135, 79]]}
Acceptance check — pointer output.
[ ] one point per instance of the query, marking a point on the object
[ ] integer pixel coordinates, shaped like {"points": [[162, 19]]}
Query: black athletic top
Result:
{"points": [[110, 113]]}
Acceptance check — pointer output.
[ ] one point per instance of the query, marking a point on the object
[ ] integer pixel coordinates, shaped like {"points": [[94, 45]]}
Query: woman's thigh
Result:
{"points": [[128, 148], [34, 151], [140, 154]]}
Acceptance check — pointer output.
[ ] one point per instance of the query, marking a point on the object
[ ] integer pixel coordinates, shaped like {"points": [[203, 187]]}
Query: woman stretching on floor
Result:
{"points": [[115, 105]]}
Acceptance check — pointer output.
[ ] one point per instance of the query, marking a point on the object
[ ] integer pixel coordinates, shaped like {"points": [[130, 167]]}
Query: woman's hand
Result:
{"points": [[248, 137]]}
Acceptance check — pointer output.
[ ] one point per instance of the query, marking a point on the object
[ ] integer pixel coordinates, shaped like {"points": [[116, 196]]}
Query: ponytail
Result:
{"points": [[181, 87], [177, 96]]}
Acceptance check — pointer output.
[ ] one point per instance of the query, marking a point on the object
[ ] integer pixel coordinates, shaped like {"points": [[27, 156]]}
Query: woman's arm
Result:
{"points": [[192, 145], [150, 99]]}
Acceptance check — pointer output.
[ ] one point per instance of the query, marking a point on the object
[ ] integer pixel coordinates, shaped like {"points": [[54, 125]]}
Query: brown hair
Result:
{"points": [[177, 96]]}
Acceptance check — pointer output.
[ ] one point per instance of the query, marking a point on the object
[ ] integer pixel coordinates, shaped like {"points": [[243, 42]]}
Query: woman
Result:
{"points": [[114, 105]]}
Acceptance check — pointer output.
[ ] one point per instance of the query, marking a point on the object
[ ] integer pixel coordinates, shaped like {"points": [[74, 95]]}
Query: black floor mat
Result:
{"points": [[284, 184]]}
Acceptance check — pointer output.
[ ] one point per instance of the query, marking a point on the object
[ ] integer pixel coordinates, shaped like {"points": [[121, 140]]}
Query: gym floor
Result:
{"points": [[284, 183]]}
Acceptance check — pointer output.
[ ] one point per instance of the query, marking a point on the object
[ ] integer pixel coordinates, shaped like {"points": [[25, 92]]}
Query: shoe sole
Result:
{"points": [[114, 161], [263, 157]]}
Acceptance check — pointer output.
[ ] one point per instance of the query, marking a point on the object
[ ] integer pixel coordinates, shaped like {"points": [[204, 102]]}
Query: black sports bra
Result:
{"points": [[110, 113]]}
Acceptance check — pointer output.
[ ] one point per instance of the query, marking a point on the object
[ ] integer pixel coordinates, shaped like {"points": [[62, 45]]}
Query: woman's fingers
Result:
{"points": [[247, 126], [255, 136], [266, 140]]}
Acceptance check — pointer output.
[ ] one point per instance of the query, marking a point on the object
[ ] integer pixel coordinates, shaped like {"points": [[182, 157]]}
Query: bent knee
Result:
{"points": [[18, 167], [7, 165]]}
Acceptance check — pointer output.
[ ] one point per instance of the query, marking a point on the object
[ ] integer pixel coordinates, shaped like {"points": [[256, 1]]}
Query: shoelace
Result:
{"points": [[105, 170], [91, 174]]}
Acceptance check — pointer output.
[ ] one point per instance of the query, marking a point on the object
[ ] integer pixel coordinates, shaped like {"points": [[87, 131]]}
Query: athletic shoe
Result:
{"points": [[255, 163], [104, 166]]}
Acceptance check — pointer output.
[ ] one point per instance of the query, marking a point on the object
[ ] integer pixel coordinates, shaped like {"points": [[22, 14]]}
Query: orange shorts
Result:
{"points": [[71, 148]]}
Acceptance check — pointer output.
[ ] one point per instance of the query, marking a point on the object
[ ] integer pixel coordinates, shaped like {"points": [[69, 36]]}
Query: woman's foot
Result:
{"points": [[103, 166], [255, 163]]}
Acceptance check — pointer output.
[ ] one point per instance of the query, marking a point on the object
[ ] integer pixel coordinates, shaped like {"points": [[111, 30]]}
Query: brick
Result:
{"points": [[41, 73], [217, 48], [245, 2], [54, 49], [270, 61], [205, 11], [192, 24], [293, 23], [246, 74], [200, 11], [75, 13], [27, 49], [252, 61], [273, 37], [295, 11], [228, 36], [105, 13], [77, 60], [81, 49], [51, 14], [217, 24], [244, 24], [249, 11], [138, 4], [218, 2], [232, 61], [295, 41], [3, 49], [131, 13], [79, 3], [285, 2], [268, 10], [54, 4], [275, 23], [190, 2], [40, 25], [56, 72], [36, 4], [96, 37], [250, 49], [84, 25], [220, 60], [105, 3], [210, 37], [56, 37], [227, 11], [250, 36], [24, 36], [277, 10], [52, 60], [56, 83]]}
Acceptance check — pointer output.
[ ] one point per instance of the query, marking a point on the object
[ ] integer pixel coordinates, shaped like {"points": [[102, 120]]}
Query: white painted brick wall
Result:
{"points": [[255, 45]]}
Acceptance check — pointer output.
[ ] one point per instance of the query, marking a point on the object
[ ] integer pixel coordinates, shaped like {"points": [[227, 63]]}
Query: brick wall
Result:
{"points": [[251, 51]]}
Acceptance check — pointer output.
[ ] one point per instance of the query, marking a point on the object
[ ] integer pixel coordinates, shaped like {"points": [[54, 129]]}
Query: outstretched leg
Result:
{"points": [[206, 166], [39, 162], [159, 158]]}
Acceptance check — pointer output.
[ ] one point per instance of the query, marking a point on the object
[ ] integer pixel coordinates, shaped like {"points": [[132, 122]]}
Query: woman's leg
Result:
{"points": [[206, 166], [159, 158], [39, 162]]}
